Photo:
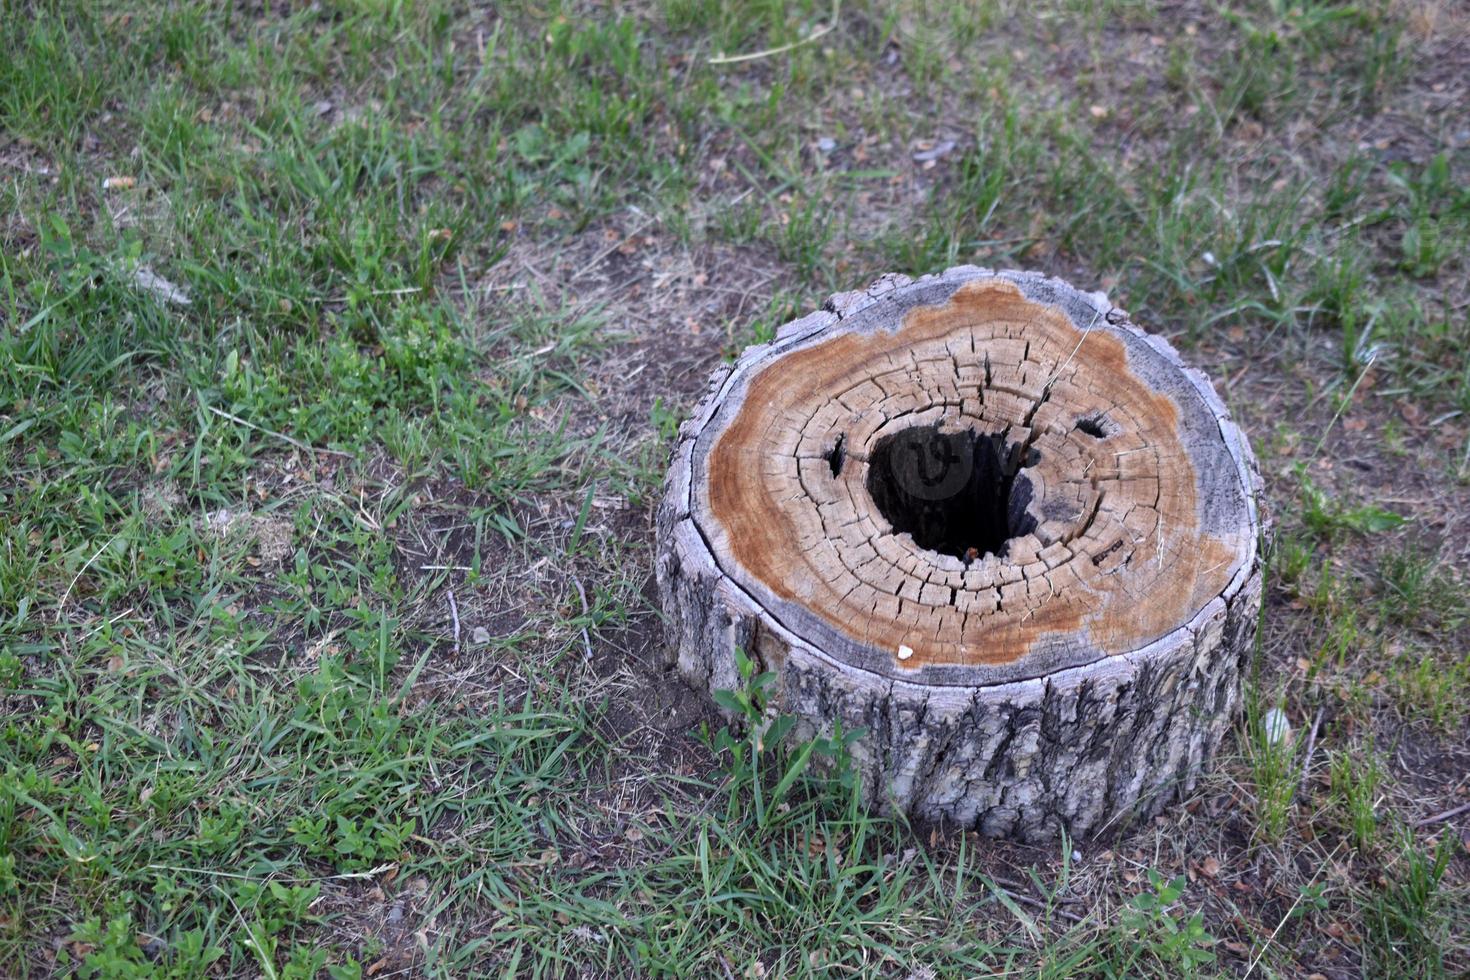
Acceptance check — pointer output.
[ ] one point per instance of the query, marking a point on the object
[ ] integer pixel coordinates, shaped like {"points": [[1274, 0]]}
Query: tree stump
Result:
{"points": [[988, 520]]}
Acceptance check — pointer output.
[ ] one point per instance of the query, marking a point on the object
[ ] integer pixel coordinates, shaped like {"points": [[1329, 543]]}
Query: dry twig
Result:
{"points": [[304, 447], [730, 59], [1301, 786], [454, 617], [586, 614], [1443, 815]]}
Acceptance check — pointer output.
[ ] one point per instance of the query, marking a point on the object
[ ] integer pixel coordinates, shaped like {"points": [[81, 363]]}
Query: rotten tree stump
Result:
{"points": [[987, 519]]}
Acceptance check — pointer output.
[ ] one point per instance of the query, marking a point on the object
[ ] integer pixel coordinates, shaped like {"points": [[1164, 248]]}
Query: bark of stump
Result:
{"points": [[985, 518]]}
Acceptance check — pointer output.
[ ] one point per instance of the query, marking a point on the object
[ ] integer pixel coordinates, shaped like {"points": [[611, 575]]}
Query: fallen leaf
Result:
{"points": [[934, 152]]}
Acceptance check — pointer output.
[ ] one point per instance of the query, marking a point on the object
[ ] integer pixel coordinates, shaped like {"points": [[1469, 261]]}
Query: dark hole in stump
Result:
{"points": [[958, 493], [836, 456], [1093, 426]]}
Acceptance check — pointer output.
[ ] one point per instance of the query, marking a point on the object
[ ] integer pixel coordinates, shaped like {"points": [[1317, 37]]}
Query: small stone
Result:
{"points": [[479, 636], [905, 652], [826, 144], [1277, 728], [149, 281]]}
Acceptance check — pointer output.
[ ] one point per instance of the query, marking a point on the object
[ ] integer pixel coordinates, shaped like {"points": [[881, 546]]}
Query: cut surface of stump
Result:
{"points": [[989, 521]]}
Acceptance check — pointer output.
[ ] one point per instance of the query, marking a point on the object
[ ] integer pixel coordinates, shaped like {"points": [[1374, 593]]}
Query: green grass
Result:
{"points": [[298, 579]]}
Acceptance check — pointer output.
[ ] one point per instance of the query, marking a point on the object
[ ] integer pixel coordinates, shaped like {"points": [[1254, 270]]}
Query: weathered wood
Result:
{"points": [[985, 518]]}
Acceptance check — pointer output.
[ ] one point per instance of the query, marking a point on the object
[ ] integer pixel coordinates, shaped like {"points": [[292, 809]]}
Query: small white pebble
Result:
{"points": [[1076, 857], [905, 652], [1278, 729]]}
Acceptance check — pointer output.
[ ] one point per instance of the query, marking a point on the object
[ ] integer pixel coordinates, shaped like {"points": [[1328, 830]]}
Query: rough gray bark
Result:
{"points": [[1076, 676]]}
